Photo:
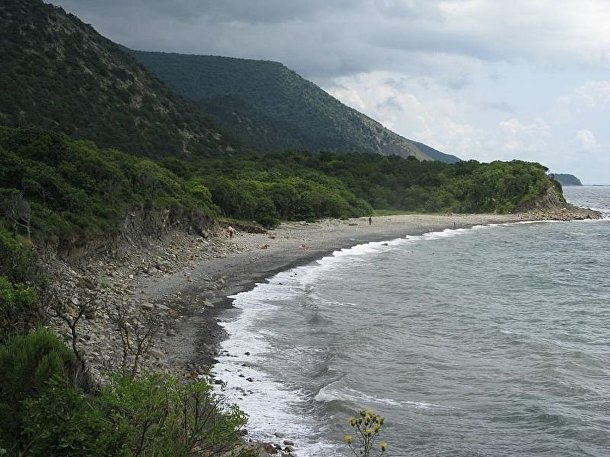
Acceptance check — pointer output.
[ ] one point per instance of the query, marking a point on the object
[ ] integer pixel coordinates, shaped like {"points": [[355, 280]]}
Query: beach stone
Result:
{"points": [[147, 306], [288, 443], [269, 448]]}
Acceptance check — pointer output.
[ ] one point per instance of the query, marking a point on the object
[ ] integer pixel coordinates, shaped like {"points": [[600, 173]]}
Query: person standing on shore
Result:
{"points": [[370, 220]]}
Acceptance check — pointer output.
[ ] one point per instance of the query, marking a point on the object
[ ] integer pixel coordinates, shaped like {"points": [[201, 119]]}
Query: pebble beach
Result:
{"points": [[185, 280]]}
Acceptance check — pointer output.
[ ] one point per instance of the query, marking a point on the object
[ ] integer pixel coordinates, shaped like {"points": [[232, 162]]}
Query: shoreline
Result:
{"points": [[184, 281], [202, 290]]}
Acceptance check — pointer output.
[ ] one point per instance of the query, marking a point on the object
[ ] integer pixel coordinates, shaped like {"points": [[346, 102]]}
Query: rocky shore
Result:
{"points": [[173, 290]]}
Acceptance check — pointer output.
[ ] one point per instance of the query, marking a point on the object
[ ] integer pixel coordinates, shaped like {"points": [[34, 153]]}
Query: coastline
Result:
{"points": [[202, 290], [184, 281]]}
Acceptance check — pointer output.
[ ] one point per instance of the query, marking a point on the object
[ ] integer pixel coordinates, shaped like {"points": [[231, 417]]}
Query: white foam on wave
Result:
{"points": [[271, 406], [338, 392]]}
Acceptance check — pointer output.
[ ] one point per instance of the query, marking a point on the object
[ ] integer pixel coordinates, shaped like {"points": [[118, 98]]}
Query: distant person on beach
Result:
{"points": [[370, 220], [231, 231]]}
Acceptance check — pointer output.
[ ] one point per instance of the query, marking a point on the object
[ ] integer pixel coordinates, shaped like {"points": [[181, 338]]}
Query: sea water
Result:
{"points": [[489, 341]]}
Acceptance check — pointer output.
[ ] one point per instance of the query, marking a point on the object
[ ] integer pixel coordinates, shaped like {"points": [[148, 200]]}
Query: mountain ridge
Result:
{"points": [[60, 74], [269, 106]]}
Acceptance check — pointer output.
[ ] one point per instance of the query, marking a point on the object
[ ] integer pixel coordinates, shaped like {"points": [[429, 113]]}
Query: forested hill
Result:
{"points": [[566, 179], [60, 74], [270, 107]]}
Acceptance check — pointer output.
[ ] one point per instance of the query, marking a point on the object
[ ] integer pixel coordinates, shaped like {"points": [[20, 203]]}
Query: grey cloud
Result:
{"points": [[247, 11], [418, 9], [321, 38]]}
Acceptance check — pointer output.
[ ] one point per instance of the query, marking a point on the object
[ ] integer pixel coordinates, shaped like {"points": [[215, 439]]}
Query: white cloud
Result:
{"points": [[537, 129], [524, 140], [587, 140], [591, 95]]}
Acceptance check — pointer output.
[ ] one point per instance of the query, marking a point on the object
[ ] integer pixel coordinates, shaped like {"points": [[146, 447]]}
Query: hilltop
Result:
{"points": [[60, 74], [566, 179], [270, 107]]}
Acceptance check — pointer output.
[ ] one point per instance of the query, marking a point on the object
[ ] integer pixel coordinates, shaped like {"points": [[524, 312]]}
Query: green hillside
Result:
{"points": [[566, 179], [60, 74], [65, 193], [271, 108]]}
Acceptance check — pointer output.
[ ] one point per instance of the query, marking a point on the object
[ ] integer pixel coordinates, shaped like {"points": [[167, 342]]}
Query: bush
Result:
{"points": [[42, 413], [16, 261], [64, 422], [162, 416], [19, 309], [29, 364]]}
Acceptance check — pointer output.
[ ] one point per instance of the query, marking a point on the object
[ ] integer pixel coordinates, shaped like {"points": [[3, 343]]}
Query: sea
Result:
{"points": [[487, 341]]}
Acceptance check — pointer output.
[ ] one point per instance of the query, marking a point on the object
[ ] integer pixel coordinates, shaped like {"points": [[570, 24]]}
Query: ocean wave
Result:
{"points": [[336, 391]]}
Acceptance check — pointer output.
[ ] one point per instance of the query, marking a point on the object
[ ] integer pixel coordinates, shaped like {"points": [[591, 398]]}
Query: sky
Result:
{"points": [[481, 79]]}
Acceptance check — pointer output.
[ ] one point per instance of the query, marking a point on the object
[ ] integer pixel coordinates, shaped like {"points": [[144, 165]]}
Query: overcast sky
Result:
{"points": [[481, 79]]}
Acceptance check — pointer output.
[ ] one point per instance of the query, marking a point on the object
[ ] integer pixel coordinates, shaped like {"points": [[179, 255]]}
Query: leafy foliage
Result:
{"points": [[19, 309], [16, 261], [61, 75], [28, 364], [301, 185], [42, 413], [75, 192]]}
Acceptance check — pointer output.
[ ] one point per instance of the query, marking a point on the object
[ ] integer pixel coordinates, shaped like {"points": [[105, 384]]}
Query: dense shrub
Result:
{"points": [[29, 364], [20, 310], [163, 415], [42, 413], [301, 185], [16, 260], [67, 192]]}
